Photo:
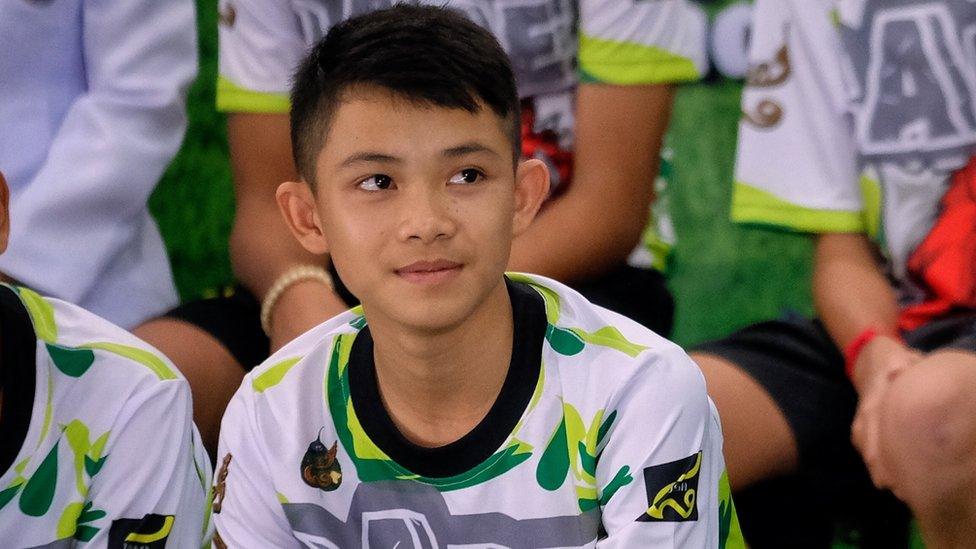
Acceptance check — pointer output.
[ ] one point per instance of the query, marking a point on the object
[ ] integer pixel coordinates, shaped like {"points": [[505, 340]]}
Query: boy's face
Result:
{"points": [[417, 205]]}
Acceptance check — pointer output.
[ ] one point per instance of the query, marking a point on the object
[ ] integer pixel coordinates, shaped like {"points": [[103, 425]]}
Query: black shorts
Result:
{"points": [[801, 368], [234, 317]]}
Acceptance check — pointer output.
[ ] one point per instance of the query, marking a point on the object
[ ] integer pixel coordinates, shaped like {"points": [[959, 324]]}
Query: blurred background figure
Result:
{"points": [[858, 121], [93, 110]]}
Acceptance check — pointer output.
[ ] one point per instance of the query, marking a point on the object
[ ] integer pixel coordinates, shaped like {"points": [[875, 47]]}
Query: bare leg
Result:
{"points": [[928, 446], [213, 373], [758, 441]]}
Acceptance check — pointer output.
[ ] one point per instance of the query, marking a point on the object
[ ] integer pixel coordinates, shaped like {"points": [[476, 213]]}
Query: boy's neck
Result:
{"points": [[437, 388]]}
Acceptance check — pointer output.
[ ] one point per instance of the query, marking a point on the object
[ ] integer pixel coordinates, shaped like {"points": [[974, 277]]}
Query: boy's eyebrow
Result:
{"points": [[468, 148], [369, 156]]}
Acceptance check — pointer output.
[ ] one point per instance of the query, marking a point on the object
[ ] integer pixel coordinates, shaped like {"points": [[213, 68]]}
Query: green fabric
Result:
{"points": [[273, 375], [613, 62], [157, 365], [371, 463], [233, 98], [755, 206], [871, 193]]}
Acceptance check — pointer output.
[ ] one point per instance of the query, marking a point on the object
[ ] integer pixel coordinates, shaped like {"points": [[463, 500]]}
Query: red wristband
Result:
{"points": [[854, 348]]}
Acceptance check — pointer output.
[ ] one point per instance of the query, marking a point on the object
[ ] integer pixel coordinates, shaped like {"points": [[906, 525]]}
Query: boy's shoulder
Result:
{"points": [[306, 355], [80, 342], [595, 350]]}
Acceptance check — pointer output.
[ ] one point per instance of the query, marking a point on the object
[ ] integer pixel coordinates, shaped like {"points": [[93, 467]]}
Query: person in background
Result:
{"points": [[93, 111], [859, 126], [97, 443], [596, 94]]}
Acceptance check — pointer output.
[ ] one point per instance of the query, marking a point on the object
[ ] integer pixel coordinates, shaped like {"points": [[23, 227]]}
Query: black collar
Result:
{"points": [[18, 373], [529, 314]]}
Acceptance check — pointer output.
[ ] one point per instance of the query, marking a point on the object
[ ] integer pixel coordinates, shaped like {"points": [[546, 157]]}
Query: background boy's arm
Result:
{"points": [[153, 477], [599, 220], [261, 246], [667, 438], [852, 294]]}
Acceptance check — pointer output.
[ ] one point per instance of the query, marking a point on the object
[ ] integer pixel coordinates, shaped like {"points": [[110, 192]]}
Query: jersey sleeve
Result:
{"points": [[84, 205], [261, 43], [631, 42], [247, 512], [153, 480], [796, 164], [661, 474]]}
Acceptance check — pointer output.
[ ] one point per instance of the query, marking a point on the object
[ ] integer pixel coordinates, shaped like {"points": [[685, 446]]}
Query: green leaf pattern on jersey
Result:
{"points": [[571, 341], [38, 493], [273, 375], [39, 490], [41, 313], [157, 365], [575, 448], [608, 336], [8, 493], [371, 463], [74, 519], [729, 534], [88, 455], [563, 341], [72, 362]]}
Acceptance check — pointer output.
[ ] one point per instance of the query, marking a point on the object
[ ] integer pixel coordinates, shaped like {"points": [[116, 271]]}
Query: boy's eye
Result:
{"points": [[376, 182], [469, 175]]}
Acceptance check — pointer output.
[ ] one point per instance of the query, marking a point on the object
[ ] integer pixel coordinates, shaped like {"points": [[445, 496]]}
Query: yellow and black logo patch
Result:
{"points": [[672, 490], [148, 532]]}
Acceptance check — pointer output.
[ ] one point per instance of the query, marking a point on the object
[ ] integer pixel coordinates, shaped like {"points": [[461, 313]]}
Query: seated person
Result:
{"points": [[457, 406], [97, 443], [853, 131], [595, 92], [93, 110]]}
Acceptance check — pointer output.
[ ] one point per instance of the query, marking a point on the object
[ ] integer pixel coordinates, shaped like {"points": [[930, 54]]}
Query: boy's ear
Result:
{"points": [[297, 205], [531, 190]]}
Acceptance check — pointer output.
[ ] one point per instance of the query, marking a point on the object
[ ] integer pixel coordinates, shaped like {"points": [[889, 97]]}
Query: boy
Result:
{"points": [[456, 407], [595, 81], [97, 445], [858, 125]]}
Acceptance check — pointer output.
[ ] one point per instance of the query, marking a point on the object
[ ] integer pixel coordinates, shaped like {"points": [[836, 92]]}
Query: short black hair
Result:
{"points": [[427, 54]]}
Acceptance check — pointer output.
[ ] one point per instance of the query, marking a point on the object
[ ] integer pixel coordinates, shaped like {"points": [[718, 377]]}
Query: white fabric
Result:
{"points": [[262, 41], [653, 401], [875, 94], [93, 111], [154, 461]]}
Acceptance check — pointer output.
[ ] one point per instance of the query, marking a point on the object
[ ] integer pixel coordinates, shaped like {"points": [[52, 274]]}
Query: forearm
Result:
{"points": [[262, 247], [850, 290], [569, 242], [599, 220]]}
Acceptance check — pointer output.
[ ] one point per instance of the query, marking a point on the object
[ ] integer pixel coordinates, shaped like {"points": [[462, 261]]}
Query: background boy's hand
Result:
{"points": [[879, 363]]}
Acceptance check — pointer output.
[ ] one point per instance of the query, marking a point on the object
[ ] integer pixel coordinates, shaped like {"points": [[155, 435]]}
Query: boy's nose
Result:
{"points": [[427, 217]]}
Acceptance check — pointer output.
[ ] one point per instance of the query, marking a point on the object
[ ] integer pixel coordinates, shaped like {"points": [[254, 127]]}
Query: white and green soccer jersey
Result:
{"points": [[552, 43], [97, 444], [855, 115], [602, 436]]}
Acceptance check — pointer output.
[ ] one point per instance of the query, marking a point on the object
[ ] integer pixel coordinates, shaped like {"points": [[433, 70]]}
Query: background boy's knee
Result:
{"points": [[928, 428]]}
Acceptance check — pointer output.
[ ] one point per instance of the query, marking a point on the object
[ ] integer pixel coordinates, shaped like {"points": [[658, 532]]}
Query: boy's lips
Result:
{"points": [[429, 272]]}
